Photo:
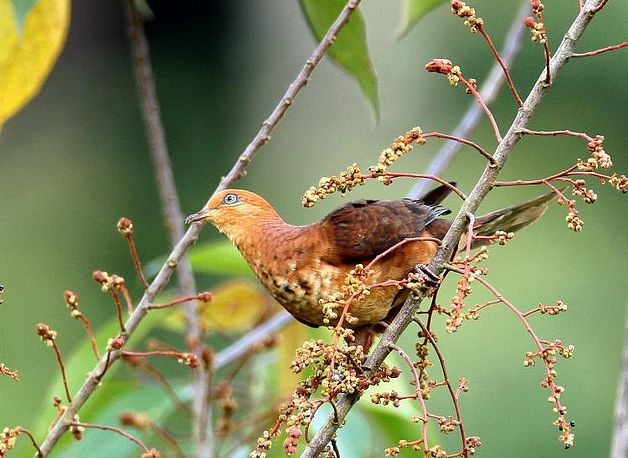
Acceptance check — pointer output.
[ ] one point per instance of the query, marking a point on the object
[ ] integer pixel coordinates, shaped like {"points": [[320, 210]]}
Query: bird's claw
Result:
{"points": [[430, 279]]}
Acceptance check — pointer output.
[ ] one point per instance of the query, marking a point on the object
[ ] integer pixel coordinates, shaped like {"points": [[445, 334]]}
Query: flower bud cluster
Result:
{"points": [[501, 237], [8, 438], [353, 290], [447, 425], [461, 10], [400, 146], [537, 29], [573, 216], [189, 359], [553, 309], [588, 196], [348, 180], [264, 443], [595, 146], [473, 442], [292, 441], [446, 67], [46, 334], [619, 182], [71, 300], [125, 227]]}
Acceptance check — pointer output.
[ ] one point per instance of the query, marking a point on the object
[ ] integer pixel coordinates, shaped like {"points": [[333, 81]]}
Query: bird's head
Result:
{"points": [[232, 210]]}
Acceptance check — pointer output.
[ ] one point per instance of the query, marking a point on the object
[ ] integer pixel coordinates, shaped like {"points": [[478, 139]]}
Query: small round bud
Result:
{"points": [[125, 227]]}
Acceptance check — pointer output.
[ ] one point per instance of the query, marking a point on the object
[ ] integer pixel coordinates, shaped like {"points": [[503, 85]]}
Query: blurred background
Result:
{"points": [[75, 160]]}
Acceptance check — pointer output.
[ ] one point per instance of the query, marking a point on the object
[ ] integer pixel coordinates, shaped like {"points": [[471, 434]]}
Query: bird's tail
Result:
{"points": [[511, 219]]}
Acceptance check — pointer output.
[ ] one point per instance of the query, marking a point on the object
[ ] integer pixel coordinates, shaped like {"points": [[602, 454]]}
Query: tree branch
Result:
{"points": [[173, 216], [450, 242], [619, 442], [62, 424]]}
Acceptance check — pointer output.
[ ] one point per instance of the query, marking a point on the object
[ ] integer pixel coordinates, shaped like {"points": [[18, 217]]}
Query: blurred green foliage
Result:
{"points": [[76, 159]]}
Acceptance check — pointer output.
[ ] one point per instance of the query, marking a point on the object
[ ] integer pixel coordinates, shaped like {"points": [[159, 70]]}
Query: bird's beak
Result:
{"points": [[198, 216]]}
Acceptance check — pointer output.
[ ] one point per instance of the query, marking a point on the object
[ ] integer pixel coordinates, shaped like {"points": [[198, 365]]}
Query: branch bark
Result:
{"points": [[450, 241], [92, 381], [619, 443]]}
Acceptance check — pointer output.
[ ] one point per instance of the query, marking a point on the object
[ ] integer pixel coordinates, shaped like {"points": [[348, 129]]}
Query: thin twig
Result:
{"points": [[187, 358], [418, 176], [190, 237], [111, 428], [454, 396], [173, 216], [201, 297], [118, 304], [464, 141], [489, 92], [161, 379], [136, 261], [600, 51], [502, 64], [489, 114], [450, 242], [419, 395], [90, 335], [64, 377], [169, 438], [32, 438]]}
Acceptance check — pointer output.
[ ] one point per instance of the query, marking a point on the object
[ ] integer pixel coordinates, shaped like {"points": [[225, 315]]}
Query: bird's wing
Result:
{"points": [[360, 230]]}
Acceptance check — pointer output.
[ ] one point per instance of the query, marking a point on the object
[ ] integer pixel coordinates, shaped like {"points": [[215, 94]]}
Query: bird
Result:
{"points": [[302, 266]]}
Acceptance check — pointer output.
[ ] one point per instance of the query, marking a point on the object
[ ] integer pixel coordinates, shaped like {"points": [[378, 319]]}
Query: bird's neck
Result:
{"points": [[258, 234]]}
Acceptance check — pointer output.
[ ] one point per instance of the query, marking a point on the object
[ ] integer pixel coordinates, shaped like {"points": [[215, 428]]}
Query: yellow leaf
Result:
{"points": [[291, 338], [236, 306], [27, 56]]}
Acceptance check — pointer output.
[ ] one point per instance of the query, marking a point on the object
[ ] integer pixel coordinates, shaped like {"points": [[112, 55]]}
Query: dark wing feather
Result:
{"points": [[362, 229], [437, 195]]}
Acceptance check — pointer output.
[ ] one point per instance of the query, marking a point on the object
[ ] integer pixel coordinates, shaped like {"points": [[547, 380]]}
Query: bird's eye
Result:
{"points": [[230, 199]]}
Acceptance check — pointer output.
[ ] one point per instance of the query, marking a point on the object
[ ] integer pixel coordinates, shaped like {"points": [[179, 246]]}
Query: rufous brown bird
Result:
{"points": [[300, 265]]}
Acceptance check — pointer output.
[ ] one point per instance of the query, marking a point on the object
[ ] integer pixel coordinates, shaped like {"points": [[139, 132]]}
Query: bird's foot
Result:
{"points": [[430, 279]]}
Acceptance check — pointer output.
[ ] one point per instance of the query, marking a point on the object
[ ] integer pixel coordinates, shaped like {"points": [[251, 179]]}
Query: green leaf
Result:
{"points": [[413, 11], [219, 258], [21, 9], [350, 50]]}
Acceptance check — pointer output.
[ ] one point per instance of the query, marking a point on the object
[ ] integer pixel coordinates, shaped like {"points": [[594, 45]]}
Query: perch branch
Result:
{"points": [[450, 242]]}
